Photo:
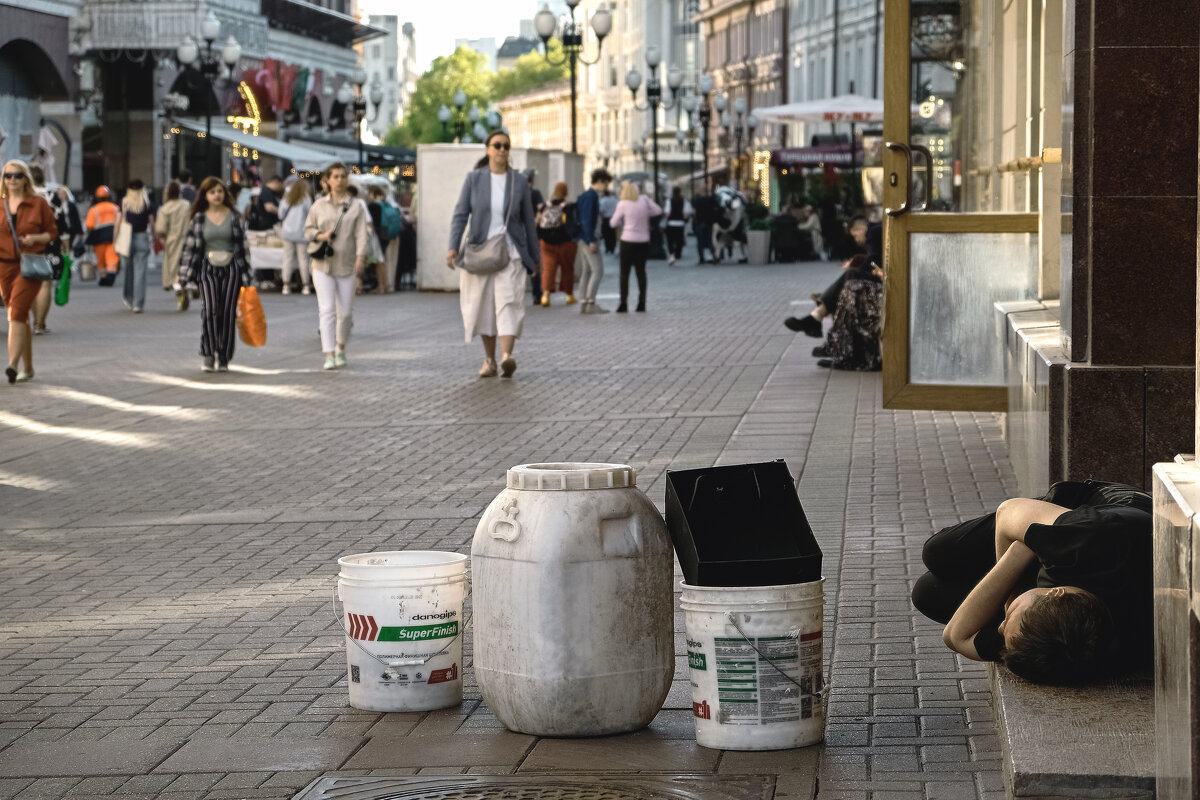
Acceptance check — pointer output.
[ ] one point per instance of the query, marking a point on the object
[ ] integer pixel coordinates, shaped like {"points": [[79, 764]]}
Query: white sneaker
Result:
{"points": [[287, 289], [330, 363], [306, 290]]}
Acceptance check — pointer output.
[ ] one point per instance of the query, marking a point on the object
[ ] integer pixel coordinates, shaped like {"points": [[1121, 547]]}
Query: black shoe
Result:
{"points": [[807, 324], [621, 309], [825, 362], [821, 352], [641, 306]]}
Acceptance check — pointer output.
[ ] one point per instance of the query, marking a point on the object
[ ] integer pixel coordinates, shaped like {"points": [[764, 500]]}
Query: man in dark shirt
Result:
{"points": [[1060, 589], [186, 190], [266, 213]]}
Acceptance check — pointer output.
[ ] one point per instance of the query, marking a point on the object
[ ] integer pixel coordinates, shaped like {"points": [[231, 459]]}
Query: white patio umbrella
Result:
{"points": [[843, 108]]}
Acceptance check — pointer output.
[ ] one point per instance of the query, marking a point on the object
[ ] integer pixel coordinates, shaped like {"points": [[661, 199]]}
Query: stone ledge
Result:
{"points": [[1075, 742]]}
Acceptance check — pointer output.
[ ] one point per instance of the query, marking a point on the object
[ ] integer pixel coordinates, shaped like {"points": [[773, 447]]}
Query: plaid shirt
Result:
{"points": [[194, 250]]}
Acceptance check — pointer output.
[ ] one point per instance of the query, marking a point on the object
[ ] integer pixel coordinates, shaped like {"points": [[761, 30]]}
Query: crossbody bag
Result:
{"points": [[492, 255], [34, 266]]}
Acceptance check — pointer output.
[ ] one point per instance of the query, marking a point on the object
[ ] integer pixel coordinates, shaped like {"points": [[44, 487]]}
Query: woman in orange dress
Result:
{"points": [[33, 220]]}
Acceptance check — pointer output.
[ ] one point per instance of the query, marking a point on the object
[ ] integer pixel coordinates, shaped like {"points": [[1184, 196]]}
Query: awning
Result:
{"points": [[302, 158], [314, 22], [844, 108]]}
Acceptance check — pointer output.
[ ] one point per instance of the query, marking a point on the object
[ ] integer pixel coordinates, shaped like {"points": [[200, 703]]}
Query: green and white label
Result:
{"points": [[697, 660], [419, 633]]}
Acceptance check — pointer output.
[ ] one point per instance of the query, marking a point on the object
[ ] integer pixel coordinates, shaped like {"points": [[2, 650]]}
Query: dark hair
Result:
{"points": [[233, 189], [857, 218], [375, 191], [185, 176], [601, 175], [332, 167], [201, 204], [676, 192], [173, 190], [352, 190], [492, 134], [136, 184], [39, 177], [275, 179], [1063, 640]]}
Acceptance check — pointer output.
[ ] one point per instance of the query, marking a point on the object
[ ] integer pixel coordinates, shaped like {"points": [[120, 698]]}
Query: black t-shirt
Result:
{"points": [[1107, 550]]}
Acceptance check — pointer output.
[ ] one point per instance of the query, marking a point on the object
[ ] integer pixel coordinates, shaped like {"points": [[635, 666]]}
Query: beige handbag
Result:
{"points": [[490, 256], [124, 240]]}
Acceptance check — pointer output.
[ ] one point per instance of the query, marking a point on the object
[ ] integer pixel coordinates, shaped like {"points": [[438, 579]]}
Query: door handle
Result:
{"points": [[928, 174], [906, 151]]}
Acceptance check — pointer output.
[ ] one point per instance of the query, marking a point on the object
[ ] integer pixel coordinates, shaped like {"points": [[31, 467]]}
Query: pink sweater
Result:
{"points": [[635, 216]]}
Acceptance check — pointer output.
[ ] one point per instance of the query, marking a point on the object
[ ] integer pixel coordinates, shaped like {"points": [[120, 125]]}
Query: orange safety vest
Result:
{"points": [[102, 214]]}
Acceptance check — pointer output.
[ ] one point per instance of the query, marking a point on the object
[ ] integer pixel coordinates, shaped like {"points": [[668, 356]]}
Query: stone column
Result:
{"points": [[1129, 291]]}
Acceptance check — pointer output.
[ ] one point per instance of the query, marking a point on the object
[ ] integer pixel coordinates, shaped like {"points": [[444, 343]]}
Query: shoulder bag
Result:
{"points": [[321, 249], [492, 255], [34, 266]]}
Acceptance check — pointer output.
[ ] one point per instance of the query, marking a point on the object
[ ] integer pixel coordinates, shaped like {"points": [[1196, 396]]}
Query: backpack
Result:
{"points": [[258, 218], [558, 224], [390, 221]]}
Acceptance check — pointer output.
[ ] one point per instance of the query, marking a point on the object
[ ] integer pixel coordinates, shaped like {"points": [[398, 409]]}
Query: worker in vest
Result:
{"points": [[101, 225]]}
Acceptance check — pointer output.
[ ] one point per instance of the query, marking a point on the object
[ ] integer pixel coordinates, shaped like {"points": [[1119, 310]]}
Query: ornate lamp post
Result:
{"points": [[633, 79], [209, 65], [690, 138], [705, 85], [357, 100], [571, 36]]}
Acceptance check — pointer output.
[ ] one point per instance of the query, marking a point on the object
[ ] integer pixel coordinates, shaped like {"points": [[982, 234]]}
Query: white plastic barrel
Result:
{"points": [[755, 655], [571, 573], [404, 627]]}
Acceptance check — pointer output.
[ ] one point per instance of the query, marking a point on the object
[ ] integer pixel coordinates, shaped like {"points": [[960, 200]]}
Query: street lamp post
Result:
{"points": [[690, 138], [188, 53], [357, 100], [572, 42], [705, 85], [633, 79]]}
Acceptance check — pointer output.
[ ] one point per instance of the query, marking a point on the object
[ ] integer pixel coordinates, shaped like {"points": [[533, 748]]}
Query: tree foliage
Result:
{"points": [[531, 71], [465, 69]]}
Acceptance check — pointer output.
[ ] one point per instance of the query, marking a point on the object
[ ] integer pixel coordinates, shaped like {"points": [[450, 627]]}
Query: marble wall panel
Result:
{"points": [[1104, 413]]}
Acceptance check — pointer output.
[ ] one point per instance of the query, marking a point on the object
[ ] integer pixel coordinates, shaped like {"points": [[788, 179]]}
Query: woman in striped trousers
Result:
{"points": [[215, 257]]}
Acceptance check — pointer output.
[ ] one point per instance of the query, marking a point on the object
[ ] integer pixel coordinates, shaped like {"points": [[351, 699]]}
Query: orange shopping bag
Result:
{"points": [[251, 321]]}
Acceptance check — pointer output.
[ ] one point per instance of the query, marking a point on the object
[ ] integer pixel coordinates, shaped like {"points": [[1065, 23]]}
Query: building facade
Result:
{"points": [[390, 61], [38, 86], [294, 57], [539, 119]]}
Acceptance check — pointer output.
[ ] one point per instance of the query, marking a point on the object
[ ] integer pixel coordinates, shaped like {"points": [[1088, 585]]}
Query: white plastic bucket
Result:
{"points": [[755, 655], [404, 624]]}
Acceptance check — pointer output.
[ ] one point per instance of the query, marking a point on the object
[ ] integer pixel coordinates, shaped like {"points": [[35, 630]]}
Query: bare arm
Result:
{"points": [[986, 600], [1014, 517]]}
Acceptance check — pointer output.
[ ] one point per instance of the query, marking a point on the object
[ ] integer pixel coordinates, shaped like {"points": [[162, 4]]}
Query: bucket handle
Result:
{"points": [[399, 662], [820, 694]]}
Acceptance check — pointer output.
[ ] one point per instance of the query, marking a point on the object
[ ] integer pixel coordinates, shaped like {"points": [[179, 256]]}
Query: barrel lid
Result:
{"points": [[571, 475]]}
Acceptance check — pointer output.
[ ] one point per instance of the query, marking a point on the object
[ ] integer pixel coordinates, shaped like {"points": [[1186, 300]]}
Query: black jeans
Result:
{"points": [[633, 254], [675, 238]]}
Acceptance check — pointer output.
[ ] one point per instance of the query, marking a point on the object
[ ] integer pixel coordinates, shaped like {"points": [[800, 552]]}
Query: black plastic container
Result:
{"points": [[740, 525]]}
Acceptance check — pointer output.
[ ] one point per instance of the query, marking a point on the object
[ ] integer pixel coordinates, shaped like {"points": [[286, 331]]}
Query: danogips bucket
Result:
{"points": [[755, 656], [404, 626]]}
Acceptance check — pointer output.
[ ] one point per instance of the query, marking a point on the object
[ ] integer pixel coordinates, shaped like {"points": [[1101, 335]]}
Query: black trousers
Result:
{"points": [[633, 255], [609, 234], [675, 238], [219, 287]]}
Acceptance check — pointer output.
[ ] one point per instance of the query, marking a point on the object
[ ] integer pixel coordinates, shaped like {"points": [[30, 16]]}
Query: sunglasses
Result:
{"points": [[500, 146], [12, 176]]}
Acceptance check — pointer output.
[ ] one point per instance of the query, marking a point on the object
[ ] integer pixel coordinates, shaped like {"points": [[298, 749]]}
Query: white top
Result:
{"points": [[497, 218]]}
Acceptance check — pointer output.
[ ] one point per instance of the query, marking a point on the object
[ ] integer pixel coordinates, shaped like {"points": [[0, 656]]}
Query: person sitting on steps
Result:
{"points": [[827, 301]]}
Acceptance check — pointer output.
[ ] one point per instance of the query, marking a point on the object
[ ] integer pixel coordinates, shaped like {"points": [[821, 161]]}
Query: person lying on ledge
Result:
{"points": [[1060, 589]]}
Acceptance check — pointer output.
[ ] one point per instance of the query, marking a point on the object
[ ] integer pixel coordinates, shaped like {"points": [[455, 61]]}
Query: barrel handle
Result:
{"points": [[400, 662], [820, 694]]}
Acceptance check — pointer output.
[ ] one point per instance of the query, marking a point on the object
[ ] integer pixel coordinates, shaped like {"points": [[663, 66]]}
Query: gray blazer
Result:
{"points": [[475, 202]]}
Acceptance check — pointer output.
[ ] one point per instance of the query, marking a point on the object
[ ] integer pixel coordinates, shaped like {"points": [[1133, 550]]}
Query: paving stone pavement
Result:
{"points": [[168, 539]]}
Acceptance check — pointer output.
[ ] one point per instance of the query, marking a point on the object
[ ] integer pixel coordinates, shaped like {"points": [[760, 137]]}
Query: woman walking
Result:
{"points": [[339, 222], [556, 241], [679, 211], [171, 227], [215, 257], [293, 214], [497, 202], [633, 218], [29, 228], [138, 213]]}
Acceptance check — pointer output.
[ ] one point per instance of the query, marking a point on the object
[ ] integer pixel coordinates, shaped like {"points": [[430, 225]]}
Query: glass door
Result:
{"points": [[959, 196]]}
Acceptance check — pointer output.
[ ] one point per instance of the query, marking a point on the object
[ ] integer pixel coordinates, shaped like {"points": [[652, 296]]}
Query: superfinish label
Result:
{"points": [[419, 633], [768, 680]]}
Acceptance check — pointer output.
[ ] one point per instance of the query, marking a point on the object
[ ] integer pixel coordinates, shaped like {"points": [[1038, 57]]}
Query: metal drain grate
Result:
{"points": [[542, 787]]}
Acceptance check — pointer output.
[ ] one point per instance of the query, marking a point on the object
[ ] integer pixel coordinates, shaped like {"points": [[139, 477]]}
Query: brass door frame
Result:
{"points": [[900, 223]]}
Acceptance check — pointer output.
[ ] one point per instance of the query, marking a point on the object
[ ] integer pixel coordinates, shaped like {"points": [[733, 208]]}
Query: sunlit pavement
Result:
{"points": [[168, 538]]}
